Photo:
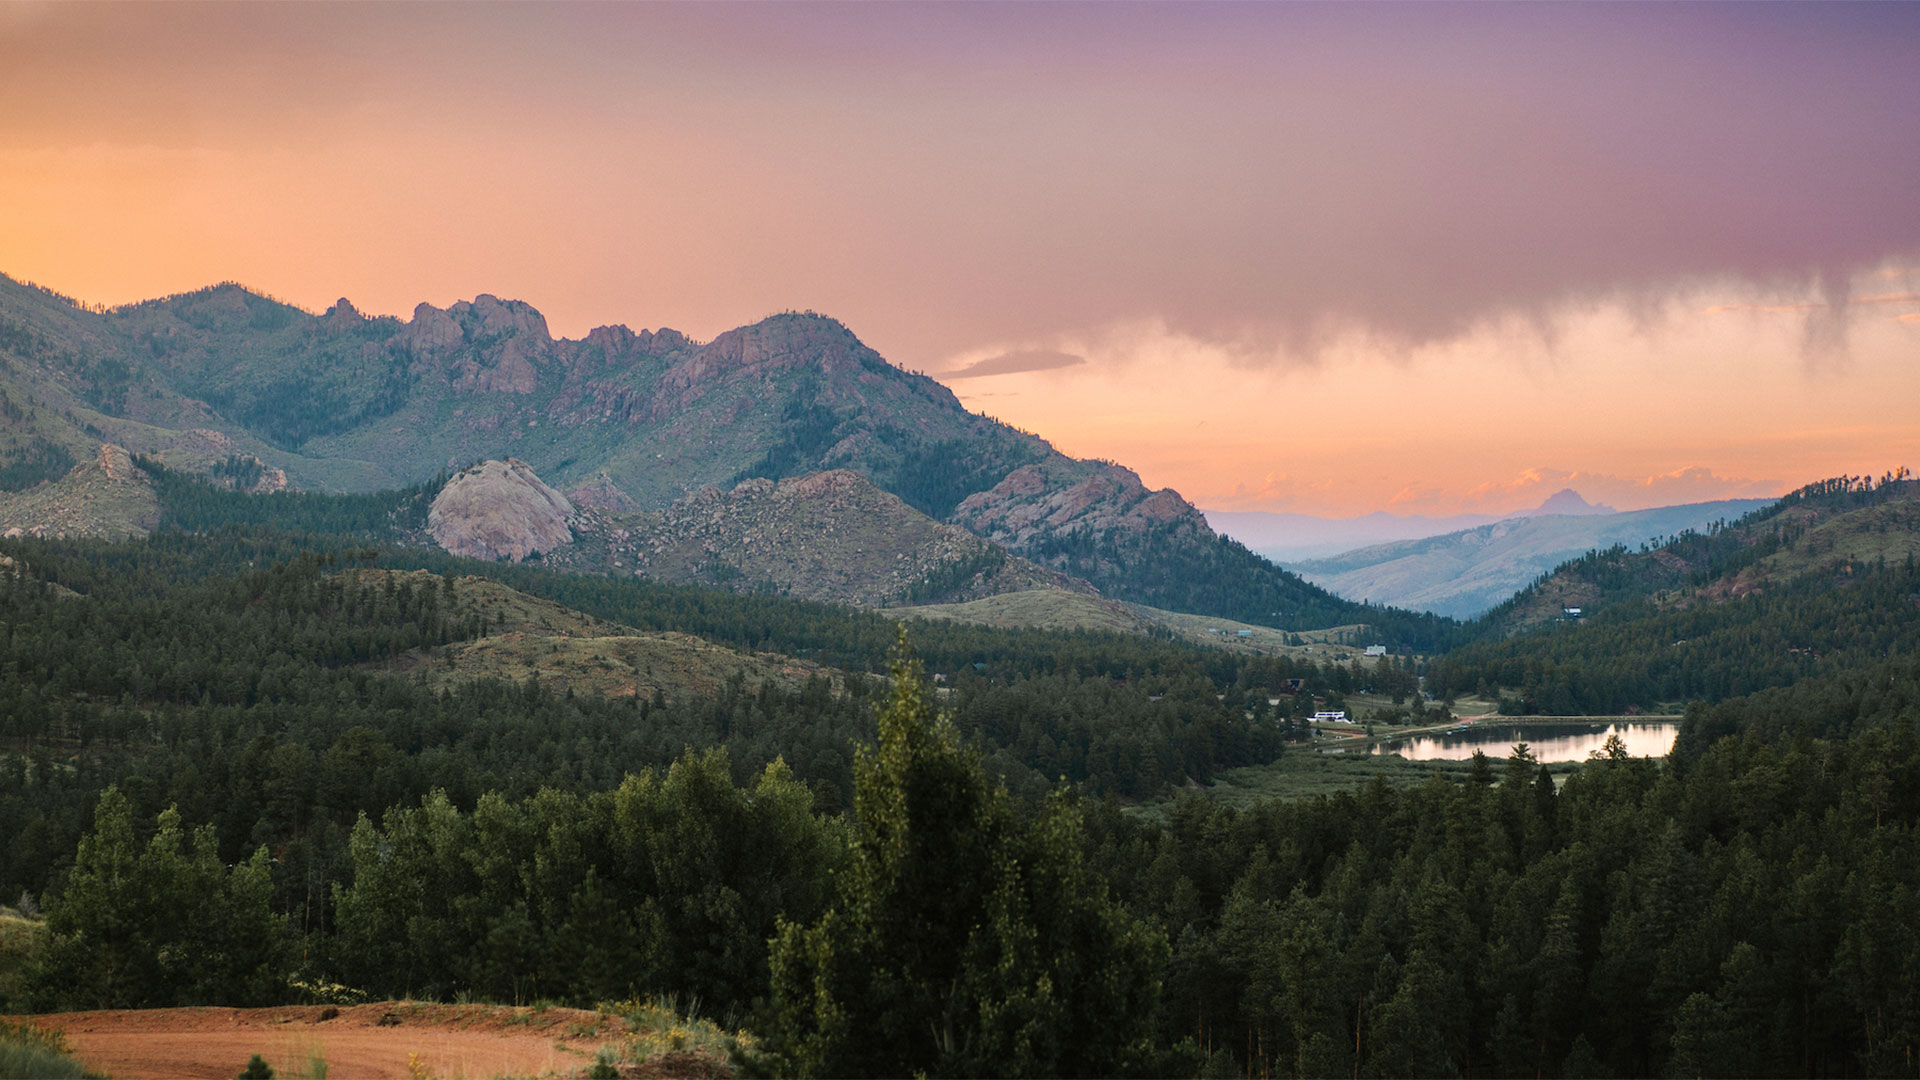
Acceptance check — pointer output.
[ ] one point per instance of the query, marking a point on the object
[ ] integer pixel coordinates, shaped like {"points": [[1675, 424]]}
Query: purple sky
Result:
{"points": [[969, 184]]}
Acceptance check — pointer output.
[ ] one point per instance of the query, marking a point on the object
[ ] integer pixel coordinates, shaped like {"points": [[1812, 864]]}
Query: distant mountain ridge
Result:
{"points": [[1825, 528], [1292, 537], [345, 402], [1466, 573], [1819, 582]]}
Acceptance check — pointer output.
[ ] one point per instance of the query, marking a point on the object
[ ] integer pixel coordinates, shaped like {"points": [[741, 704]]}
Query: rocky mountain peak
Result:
{"points": [[1568, 502], [494, 344], [489, 315], [777, 343], [611, 340], [1054, 497], [342, 316], [431, 333], [499, 510]]}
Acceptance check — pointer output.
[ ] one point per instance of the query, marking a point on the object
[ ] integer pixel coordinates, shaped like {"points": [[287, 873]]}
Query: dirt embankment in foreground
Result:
{"points": [[391, 1039]]}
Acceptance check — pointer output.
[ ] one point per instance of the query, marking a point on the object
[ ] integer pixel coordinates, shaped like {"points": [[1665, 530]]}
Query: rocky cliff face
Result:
{"points": [[1037, 502], [499, 510]]}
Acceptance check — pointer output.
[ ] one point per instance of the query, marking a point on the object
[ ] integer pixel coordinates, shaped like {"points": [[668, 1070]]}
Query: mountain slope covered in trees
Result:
{"points": [[1463, 574], [1819, 583]]}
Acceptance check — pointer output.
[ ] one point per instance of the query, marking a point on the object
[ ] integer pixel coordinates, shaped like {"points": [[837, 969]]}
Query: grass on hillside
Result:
{"points": [[1303, 774], [506, 609], [1329, 643], [1055, 609], [30, 1052], [1890, 532], [1039, 609], [664, 1040], [567, 650], [637, 665], [19, 937]]}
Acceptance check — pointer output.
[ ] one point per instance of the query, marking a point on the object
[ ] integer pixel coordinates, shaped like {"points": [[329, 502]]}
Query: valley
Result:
{"points": [[1464, 574], [1166, 541], [670, 736]]}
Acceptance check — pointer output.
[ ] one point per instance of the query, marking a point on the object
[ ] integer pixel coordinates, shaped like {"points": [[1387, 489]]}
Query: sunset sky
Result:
{"points": [[1330, 259]]}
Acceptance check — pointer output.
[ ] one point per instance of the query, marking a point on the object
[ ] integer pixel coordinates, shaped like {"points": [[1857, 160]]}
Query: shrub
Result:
{"points": [[29, 1052]]}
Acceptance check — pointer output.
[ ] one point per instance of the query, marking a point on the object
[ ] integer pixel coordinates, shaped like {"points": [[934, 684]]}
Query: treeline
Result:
{"points": [[1748, 910], [1693, 559], [219, 799], [1745, 910], [941, 925], [1638, 654], [231, 525], [38, 461], [188, 503], [254, 703], [843, 637]]}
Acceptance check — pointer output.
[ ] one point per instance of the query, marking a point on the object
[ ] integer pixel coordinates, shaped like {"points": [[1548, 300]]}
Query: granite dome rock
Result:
{"points": [[499, 510]]}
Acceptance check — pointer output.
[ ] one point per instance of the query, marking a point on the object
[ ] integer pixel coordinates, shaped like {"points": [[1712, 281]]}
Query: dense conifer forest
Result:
{"points": [[934, 858]]}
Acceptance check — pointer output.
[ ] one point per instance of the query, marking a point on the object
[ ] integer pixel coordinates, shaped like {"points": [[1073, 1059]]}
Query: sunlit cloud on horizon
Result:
{"points": [[1694, 399]]}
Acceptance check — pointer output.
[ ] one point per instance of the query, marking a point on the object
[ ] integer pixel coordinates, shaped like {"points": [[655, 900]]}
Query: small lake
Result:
{"points": [[1549, 742]]}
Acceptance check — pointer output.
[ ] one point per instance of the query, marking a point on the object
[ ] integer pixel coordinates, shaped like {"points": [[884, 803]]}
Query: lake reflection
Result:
{"points": [[1549, 742]]}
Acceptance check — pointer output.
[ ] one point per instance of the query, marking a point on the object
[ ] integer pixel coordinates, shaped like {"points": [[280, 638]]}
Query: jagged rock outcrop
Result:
{"points": [[1035, 502], [107, 497], [341, 318], [499, 510], [508, 338], [757, 351], [602, 494]]}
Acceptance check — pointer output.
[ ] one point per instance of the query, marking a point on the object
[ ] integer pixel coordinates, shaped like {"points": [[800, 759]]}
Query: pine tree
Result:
{"points": [[965, 941]]}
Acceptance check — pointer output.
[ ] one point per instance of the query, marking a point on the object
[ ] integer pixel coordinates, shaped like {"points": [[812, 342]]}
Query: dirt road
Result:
{"points": [[392, 1039]]}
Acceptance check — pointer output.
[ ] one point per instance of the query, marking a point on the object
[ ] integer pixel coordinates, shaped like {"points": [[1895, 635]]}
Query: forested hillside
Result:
{"points": [[250, 697], [1820, 583], [1763, 547], [1747, 909], [1463, 574], [199, 723]]}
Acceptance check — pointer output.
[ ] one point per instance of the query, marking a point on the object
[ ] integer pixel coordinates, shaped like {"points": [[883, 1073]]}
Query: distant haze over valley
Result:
{"points": [[1290, 537], [1464, 573]]}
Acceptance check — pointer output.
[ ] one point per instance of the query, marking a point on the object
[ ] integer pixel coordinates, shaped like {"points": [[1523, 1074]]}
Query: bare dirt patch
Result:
{"points": [[377, 1042]]}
